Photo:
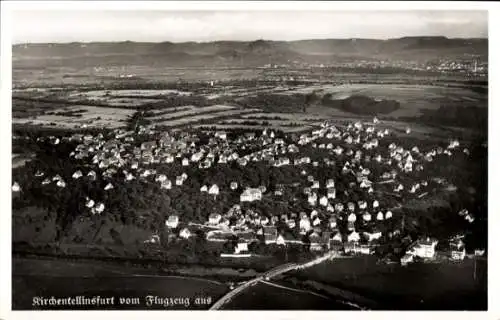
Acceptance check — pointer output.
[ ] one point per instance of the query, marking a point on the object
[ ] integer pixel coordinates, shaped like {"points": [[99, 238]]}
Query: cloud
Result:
{"points": [[177, 26]]}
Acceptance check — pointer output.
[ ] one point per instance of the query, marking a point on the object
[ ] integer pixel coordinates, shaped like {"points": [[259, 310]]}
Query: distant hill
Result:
{"points": [[250, 53]]}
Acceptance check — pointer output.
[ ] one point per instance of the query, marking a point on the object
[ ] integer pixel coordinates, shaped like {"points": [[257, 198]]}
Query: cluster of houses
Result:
{"points": [[334, 221]]}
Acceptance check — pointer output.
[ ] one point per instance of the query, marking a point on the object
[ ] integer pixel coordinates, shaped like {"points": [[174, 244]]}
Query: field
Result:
{"points": [[78, 116], [251, 127], [188, 120], [127, 93], [285, 116], [413, 98], [188, 111]]}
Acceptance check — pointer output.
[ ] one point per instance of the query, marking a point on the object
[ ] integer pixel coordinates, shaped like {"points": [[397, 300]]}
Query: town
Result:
{"points": [[340, 187]]}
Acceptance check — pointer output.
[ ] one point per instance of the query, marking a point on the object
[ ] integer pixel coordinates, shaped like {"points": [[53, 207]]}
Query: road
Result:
{"points": [[268, 275]]}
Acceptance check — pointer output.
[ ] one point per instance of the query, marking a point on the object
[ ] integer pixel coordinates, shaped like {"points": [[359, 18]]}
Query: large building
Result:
{"points": [[251, 194]]}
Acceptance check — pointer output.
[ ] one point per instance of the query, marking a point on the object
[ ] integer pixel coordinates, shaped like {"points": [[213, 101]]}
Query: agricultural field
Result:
{"points": [[413, 98], [80, 116], [285, 116], [229, 127], [189, 111], [128, 93], [187, 119]]}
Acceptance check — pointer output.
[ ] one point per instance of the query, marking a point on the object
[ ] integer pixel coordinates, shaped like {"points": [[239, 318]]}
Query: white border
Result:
{"points": [[5, 146]]}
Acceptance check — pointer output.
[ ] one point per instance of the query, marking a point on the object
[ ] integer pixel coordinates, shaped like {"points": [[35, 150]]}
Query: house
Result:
{"points": [[425, 248], [353, 237], [179, 181], [242, 162], [108, 186], [99, 208], [351, 206], [336, 243], [169, 158], [251, 194], [77, 174], [351, 218], [185, 162], [167, 184], [185, 233], [380, 216], [280, 241], [407, 258], [315, 242], [388, 215], [332, 222], [304, 224], [362, 205], [350, 225], [172, 221], [221, 135], [355, 248], [214, 190], [316, 221], [312, 198], [270, 234], [149, 145], [457, 254], [367, 217], [233, 185], [16, 187], [315, 185], [214, 218], [371, 236], [196, 156], [89, 203], [339, 207], [241, 247], [457, 249], [323, 201], [204, 188]]}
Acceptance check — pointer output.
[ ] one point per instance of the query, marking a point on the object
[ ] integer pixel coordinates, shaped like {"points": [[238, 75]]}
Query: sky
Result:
{"points": [[180, 26]]}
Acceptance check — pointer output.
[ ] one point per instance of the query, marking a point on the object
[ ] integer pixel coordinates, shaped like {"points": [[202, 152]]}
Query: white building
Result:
{"points": [[185, 233], [16, 187], [323, 201], [353, 237], [214, 190], [424, 248], [172, 221], [251, 194], [214, 218]]}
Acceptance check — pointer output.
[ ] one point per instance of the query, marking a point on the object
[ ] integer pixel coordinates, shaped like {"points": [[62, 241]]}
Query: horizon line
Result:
{"points": [[268, 40]]}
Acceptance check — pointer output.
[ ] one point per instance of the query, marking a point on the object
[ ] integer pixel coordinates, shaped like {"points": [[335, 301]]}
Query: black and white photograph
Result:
{"points": [[248, 159]]}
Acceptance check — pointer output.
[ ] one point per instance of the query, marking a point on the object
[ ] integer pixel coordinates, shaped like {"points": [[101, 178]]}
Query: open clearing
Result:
{"points": [[285, 116], [250, 127], [413, 98], [189, 111], [200, 117], [128, 93], [92, 117], [283, 123]]}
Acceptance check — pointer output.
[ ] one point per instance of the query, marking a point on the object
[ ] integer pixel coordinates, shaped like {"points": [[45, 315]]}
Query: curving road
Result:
{"points": [[267, 276]]}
